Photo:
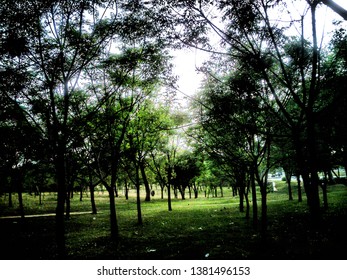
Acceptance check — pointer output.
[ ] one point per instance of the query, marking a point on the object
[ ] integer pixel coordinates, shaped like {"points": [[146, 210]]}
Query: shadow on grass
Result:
{"points": [[218, 231]]}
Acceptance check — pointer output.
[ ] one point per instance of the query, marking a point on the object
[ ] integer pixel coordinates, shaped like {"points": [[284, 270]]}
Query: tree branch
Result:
{"points": [[336, 8]]}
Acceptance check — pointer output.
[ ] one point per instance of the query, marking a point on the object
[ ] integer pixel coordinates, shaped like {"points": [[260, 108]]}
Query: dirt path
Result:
{"points": [[43, 215]]}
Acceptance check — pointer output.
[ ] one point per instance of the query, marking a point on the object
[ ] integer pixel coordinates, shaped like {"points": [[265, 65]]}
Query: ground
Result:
{"points": [[203, 228]]}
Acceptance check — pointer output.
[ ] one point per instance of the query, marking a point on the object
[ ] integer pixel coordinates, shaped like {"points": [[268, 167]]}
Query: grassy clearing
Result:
{"points": [[200, 228]]}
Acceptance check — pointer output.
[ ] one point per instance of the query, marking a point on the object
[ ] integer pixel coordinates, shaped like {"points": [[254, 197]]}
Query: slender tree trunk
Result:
{"points": [[115, 189], [182, 192], [169, 178], [40, 197], [314, 203], [113, 215], [247, 200], [175, 191], [138, 199], [92, 199], [169, 197], [145, 182], [126, 190], [196, 191], [325, 195], [289, 183], [81, 193], [241, 197], [290, 193], [254, 199], [68, 205], [17, 180], [162, 191], [263, 208]]}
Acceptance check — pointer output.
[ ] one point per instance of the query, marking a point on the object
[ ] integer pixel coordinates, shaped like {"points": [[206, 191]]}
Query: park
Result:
{"points": [[202, 228], [104, 155]]}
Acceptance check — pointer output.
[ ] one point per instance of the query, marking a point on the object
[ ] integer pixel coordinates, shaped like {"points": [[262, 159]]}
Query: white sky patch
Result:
{"points": [[186, 63]]}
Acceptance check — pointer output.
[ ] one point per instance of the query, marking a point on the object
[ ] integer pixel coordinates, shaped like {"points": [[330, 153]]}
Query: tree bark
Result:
{"points": [[17, 180], [68, 205], [288, 176], [312, 176], [81, 193], [113, 215], [324, 186], [145, 182], [138, 199], [126, 190], [247, 200], [92, 199], [169, 197], [254, 199]]}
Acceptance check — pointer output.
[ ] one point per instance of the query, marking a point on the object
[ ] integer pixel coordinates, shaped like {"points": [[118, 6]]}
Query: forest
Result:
{"points": [[95, 149]]}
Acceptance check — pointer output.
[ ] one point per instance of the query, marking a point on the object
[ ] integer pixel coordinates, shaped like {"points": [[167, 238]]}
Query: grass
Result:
{"points": [[200, 228]]}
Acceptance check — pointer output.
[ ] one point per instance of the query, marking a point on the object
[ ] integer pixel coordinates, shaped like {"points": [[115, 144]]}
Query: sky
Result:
{"points": [[186, 61]]}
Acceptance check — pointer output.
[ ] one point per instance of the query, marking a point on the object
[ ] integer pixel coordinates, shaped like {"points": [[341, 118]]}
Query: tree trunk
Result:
{"points": [[138, 199], [196, 190], [241, 197], [115, 189], [254, 199], [288, 176], [92, 191], [92, 198], [17, 180], [182, 191], [126, 190], [81, 193], [40, 197], [145, 182], [325, 195], [161, 191], [314, 203], [263, 207], [169, 197], [247, 200], [169, 177], [113, 215], [68, 205], [175, 192]]}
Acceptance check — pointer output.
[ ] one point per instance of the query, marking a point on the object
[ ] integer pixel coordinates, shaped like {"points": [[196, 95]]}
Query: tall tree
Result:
{"points": [[55, 40]]}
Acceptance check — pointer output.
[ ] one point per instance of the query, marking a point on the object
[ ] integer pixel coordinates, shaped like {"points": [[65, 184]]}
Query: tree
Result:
{"points": [[256, 40], [55, 41], [186, 170]]}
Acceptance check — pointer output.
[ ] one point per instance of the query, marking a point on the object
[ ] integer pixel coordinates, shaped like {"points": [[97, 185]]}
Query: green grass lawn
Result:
{"points": [[203, 228]]}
